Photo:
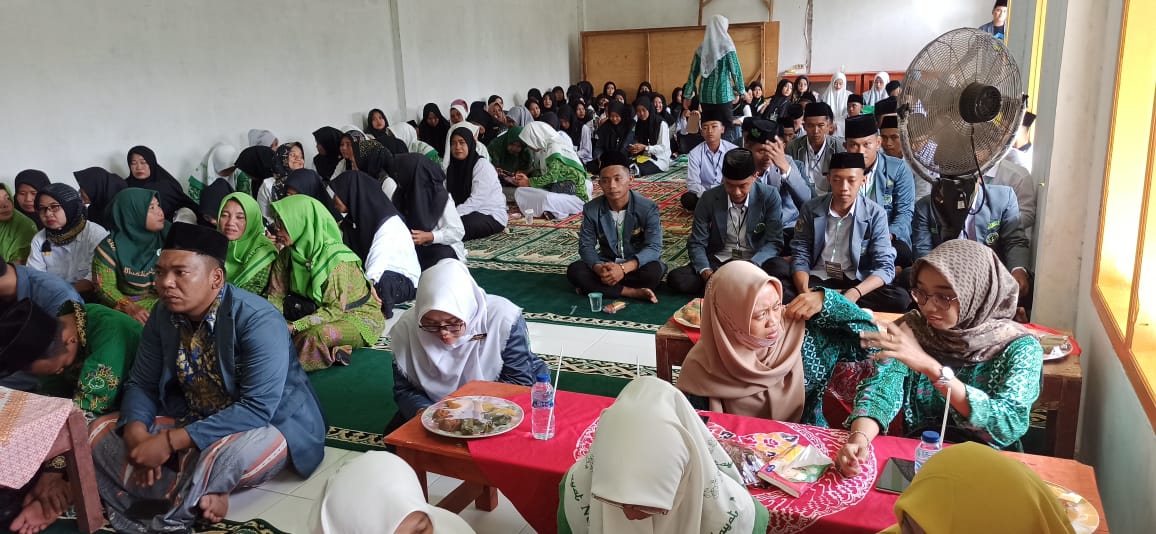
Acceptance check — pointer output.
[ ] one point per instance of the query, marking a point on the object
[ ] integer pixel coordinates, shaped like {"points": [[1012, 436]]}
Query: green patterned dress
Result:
{"points": [[107, 349], [1001, 393], [331, 333]]}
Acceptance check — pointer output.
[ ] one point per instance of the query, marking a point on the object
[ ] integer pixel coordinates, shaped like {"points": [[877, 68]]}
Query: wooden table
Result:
{"points": [[1059, 393], [427, 452]]}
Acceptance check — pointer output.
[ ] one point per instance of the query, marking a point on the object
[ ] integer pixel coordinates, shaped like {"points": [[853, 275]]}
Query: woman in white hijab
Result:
{"points": [[878, 89], [655, 468], [378, 493], [216, 165], [836, 97], [263, 137], [408, 134], [457, 333], [559, 184]]}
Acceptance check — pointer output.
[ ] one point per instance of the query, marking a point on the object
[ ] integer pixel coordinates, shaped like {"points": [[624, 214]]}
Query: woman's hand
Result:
{"points": [[136, 311], [898, 342], [850, 458], [521, 180], [805, 306], [421, 237]]}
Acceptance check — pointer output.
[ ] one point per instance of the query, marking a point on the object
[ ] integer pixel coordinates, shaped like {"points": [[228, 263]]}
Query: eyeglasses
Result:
{"points": [[644, 509], [923, 298], [43, 210], [451, 328]]}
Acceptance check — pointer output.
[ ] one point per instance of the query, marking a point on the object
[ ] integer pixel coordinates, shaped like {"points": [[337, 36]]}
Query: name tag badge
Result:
{"points": [[736, 253], [834, 270]]}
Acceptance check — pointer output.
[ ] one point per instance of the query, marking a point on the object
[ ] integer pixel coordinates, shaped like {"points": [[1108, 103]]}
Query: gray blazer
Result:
{"points": [[642, 228], [764, 225], [797, 149], [871, 250], [996, 223]]}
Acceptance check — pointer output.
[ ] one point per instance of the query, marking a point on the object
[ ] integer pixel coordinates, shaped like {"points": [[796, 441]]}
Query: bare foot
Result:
{"points": [[640, 293], [214, 507], [32, 519]]}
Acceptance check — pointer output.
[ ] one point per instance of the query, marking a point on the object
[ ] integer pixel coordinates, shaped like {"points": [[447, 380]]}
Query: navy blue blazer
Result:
{"points": [[642, 228], [871, 249], [895, 191], [996, 224], [764, 225], [260, 371]]}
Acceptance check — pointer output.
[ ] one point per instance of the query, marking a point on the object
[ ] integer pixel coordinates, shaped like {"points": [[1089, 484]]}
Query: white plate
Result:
{"points": [[1084, 517], [680, 319], [467, 407]]}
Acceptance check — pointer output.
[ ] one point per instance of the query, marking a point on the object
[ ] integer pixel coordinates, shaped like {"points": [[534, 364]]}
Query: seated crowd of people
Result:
{"points": [[183, 318]]}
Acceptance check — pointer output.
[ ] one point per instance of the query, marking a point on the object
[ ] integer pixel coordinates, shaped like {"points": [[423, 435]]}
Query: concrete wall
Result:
{"points": [[868, 35], [84, 81]]}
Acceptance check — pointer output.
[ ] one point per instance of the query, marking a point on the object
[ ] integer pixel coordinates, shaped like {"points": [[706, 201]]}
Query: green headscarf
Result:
{"points": [[134, 248], [501, 156], [16, 234], [317, 244], [251, 253]]}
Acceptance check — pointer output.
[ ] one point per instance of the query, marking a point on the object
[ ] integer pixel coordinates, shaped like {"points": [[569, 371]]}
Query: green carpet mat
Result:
{"points": [[358, 399], [256, 526], [549, 298]]}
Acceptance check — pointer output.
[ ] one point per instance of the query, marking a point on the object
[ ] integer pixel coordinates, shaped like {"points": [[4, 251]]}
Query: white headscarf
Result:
{"points": [[715, 45], [374, 493], [874, 95], [440, 369], [405, 133], [520, 115], [838, 101], [221, 156], [351, 128], [651, 449], [479, 146], [546, 142], [261, 137]]}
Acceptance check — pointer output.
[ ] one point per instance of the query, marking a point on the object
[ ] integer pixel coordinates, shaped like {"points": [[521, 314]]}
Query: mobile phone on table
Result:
{"points": [[896, 476]]}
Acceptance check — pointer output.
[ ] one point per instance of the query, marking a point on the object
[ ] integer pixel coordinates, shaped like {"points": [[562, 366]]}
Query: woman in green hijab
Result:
{"points": [[16, 230], [509, 154], [251, 254], [318, 283], [123, 266]]}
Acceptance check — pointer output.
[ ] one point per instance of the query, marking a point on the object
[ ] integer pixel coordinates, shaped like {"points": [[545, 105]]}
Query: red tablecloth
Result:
{"points": [[528, 471]]}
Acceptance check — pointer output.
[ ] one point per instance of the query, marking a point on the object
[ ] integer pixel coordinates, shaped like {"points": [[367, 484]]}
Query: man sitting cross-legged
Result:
{"points": [[216, 399], [621, 238]]}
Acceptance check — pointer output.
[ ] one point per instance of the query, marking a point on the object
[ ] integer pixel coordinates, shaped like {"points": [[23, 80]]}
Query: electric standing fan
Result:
{"points": [[960, 108]]}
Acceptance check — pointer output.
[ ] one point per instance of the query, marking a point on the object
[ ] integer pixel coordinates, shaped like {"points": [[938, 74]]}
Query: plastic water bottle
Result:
{"points": [[542, 399], [928, 446]]}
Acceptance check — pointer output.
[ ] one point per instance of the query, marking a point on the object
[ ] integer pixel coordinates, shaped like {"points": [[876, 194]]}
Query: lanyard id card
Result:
{"points": [[834, 270]]}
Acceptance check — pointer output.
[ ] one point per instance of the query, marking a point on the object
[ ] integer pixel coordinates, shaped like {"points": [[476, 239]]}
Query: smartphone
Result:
{"points": [[896, 476]]}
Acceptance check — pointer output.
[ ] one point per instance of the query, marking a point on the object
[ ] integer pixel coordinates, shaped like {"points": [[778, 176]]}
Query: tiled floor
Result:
{"points": [[289, 502]]}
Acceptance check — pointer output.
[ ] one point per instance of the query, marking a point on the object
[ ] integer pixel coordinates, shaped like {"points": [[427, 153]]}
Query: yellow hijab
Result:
{"points": [[973, 488]]}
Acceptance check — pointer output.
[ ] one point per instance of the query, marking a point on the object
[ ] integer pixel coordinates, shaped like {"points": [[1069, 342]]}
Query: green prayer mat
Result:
{"points": [[255, 526], [357, 400]]}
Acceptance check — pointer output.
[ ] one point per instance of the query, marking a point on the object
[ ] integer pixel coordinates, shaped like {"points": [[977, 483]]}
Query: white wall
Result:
{"points": [[84, 81], [863, 36]]}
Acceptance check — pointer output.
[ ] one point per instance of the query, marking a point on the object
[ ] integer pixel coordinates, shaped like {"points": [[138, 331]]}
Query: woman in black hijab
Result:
{"points": [[144, 172], [328, 150], [433, 128], [256, 162], [373, 159], [780, 100], [676, 103], [378, 126], [534, 94], [28, 184], [587, 89], [211, 198], [308, 182], [643, 89], [384, 246], [473, 185], [551, 118], [568, 122], [421, 198], [97, 188], [616, 133], [547, 103], [559, 96], [478, 115], [609, 89]]}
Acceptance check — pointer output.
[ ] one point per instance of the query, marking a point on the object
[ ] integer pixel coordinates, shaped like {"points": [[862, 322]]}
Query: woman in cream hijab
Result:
{"points": [[758, 358], [836, 97], [655, 468], [378, 493], [878, 89], [1002, 495]]}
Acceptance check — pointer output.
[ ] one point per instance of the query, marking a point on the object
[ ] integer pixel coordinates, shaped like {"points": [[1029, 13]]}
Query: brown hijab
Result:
{"points": [[742, 374], [987, 296]]}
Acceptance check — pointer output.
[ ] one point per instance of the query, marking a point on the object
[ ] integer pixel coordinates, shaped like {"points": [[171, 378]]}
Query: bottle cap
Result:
{"points": [[545, 377], [931, 436]]}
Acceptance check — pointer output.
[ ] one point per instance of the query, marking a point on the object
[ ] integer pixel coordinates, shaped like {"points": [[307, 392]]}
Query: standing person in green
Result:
{"points": [[718, 63], [319, 285], [16, 230]]}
